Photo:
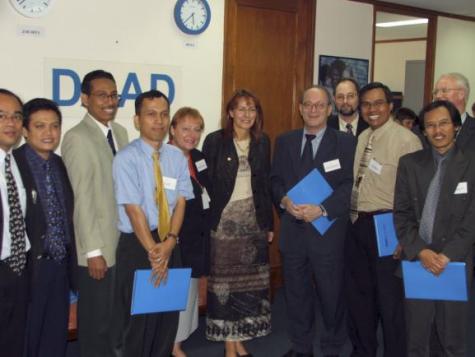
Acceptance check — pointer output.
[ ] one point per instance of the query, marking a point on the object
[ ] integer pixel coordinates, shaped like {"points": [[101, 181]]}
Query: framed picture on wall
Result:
{"points": [[332, 68]]}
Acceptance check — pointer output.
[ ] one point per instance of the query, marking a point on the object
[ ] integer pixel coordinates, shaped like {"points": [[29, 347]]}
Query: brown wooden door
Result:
{"points": [[268, 50]]}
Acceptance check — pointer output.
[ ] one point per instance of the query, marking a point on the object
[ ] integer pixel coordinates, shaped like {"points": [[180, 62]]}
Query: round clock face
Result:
{"points": [[192, 16], [32, 8]]}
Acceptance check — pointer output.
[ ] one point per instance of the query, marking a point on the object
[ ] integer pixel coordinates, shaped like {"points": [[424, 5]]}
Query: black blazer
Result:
{"points": [[454, 225], [194, 233], [35, 217], [334, 123], [466, 136], [285, 174], [223, 163]]}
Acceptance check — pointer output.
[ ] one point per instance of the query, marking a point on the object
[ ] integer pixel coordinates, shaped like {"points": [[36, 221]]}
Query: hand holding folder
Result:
{"points": [[385, 234], [170, 295]]}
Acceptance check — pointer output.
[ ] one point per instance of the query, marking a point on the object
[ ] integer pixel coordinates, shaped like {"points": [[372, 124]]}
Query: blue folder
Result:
{"points": [[450, 285], [171, 295], [385, 234], [313, 189]]}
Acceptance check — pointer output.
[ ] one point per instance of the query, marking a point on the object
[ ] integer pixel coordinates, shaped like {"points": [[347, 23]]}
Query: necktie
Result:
{"points": [[17, 259], [110, 140], [307, 156], [54, 242], [365, 159], [349, 129], [430, 205], [161, 199]]}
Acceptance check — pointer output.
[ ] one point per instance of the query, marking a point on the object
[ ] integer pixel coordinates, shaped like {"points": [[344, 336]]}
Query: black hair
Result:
{"points": [[151, 94], [11, 94], [453, 112], [377, 85], [97, 74], [405, 113], [37, 104]]}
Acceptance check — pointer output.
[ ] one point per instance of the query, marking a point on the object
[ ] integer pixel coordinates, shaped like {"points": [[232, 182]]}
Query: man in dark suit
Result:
{"points": [[306, 254], [348, 118], [52, 258], [455, 88], [434, 206], [14, 242]]}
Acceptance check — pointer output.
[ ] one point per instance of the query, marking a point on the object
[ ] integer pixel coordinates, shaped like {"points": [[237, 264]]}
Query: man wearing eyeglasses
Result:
{"points": [[373, 292], [307, 255], [346, 102], [88, 150], [455, 88]]}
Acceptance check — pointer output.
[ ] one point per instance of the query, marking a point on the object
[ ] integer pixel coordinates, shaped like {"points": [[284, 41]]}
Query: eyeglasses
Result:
{"points": [[16, 117], [308, 106], [441, 124], [443, 90], [342, 97], [378, 104], [104, 96], [250, 110]]}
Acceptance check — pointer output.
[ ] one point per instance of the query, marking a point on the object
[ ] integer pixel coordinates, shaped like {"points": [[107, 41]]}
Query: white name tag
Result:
{"points": [[169, 183], [201, 165], [375, 166], [205, 199], [461, 188], [332, 165]]}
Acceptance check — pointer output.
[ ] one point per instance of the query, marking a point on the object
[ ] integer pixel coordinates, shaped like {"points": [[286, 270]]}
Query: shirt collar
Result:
{"points": [[463, 117], [354, 122], [318, 135], [382, 129], [149, 149], [104, 129]]}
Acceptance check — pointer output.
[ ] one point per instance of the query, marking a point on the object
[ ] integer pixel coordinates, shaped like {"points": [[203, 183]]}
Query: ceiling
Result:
{"points": [[402, 32], [458, 7]]}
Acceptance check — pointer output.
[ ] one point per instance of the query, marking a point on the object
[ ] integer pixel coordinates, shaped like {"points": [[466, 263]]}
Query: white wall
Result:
{"points": [[133, 36], [390, 61], [343, 28], [455, 50]]}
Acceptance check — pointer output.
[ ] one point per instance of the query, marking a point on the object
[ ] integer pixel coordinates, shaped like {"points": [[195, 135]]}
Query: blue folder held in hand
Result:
{"points": [[171, 295], [385, 234], [450, 285], [313, 189]]}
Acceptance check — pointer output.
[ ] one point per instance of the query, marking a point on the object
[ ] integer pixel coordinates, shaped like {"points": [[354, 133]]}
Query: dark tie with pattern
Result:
{"points": [[17, 259], [349, 129], [110, 140], [307, 155], [54, 242]]}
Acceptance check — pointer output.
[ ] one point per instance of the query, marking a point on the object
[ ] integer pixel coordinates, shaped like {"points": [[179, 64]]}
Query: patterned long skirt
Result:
{"points": [[238, 285]]}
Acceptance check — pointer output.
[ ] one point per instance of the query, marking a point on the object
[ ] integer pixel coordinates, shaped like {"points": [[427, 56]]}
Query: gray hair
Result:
{"points": [[461, 80], [321, 87]]}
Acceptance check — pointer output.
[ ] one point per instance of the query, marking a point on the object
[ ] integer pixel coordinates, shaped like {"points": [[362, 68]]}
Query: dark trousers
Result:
{"points": [[147, 335], [373, 294], [13, 307], [95, 313], [450, 319], [313, 268], [48, 311]]}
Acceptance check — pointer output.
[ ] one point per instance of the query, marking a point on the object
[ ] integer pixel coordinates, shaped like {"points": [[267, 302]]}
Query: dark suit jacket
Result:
{"points": [[466, 136], [223, 163], [194, 233], [35, 217], [454, 224], [333, 123], [285, 175]]}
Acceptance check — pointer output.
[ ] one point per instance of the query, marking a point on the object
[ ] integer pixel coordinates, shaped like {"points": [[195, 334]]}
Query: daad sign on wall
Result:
{"points": [[63, 83]]}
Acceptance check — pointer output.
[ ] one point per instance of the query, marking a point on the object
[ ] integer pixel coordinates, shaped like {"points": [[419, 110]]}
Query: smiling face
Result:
{"points": [[102, 102], [315, 109], [346, 98], [44, 132], [244, 115], [11, 121], [440, 129], [153, 120], [187, 133], [375, 109], [447, 88]]}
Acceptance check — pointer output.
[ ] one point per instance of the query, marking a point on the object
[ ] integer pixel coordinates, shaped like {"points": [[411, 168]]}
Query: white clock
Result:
{"points": [[32, 8], [192, 16]]}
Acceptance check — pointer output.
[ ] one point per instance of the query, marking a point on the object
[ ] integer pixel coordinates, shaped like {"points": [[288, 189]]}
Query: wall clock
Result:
{"points": [[32, 8], [192, 16]]}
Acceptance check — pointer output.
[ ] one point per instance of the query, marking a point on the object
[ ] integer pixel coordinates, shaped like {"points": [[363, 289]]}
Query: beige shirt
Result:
{"points": [[390, 142]]}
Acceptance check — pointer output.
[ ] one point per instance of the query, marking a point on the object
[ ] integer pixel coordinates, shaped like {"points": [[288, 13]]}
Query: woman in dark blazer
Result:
{"points": [[238, 158], [185, 132]]}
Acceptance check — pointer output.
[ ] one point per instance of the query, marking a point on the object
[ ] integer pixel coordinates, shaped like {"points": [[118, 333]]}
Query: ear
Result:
{"points": [[391, 107], [231, 115], [301, 109], [172, 131], [329, 110], [137, 122], [25, 133], [84, 100]]}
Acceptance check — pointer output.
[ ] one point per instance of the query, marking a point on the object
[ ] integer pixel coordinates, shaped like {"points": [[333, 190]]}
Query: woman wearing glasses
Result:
{"points": [[238, 158]]}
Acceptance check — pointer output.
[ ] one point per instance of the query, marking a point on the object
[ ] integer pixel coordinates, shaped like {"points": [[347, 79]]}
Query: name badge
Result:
{"points": [[375, 166], [461, 188], [205, 199], [169, 183], [201, 165], [332, 165]]}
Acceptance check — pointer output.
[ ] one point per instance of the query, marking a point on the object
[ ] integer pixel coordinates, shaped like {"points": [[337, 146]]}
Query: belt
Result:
{"points": [[362, 214]]}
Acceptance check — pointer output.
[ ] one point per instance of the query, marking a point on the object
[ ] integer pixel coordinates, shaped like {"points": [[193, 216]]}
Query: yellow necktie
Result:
{"points": [[161, 200]]}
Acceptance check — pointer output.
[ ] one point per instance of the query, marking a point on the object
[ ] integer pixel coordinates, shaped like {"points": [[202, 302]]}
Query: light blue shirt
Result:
{"points": [[134, 180], [315, 142]]}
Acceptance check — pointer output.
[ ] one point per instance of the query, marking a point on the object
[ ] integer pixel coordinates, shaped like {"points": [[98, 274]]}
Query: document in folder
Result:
{"points": [[385, 234], [171, 295], [451, 285], [313, 189]]}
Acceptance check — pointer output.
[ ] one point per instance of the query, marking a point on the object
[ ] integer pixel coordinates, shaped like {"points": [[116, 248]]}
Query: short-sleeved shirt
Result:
{"points": [[134, 180]]}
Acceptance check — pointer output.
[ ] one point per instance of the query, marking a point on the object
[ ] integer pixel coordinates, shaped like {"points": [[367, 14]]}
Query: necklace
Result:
{"points": [[240, 148]]}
